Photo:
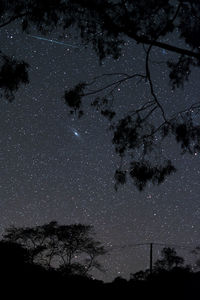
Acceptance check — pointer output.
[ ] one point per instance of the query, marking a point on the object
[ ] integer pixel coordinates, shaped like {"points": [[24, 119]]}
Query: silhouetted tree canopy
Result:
{"points": [[140, 275], [196, 252], [106, 25], [169, 260], [20, 277], [13, 73], [71, 249]]}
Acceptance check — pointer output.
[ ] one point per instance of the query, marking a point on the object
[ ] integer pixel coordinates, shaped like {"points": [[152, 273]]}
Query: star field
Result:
{"points": [[49, 173]]}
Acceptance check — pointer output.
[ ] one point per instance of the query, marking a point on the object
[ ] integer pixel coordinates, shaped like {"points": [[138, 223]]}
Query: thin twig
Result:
{"points": [[116, 83]]}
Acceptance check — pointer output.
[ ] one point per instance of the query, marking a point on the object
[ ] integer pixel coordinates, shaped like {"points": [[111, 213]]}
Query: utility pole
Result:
{"points": [[151, 258]]}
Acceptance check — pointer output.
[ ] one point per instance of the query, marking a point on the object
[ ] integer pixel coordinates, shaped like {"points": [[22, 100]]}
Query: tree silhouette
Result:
{"points": [[12, 255], [106, 24], [169, 260], [196, 252], [69, 248], [140, 275]]}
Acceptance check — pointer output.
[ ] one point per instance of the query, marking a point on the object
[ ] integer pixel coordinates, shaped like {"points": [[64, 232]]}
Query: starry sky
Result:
{"points": [[54, 166]]}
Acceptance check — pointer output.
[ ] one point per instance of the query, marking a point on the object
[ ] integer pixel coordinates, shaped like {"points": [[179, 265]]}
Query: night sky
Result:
{"points": [[57, 167]]}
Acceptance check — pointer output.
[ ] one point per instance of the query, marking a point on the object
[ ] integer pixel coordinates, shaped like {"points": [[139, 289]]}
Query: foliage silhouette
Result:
{"points": [[170, 279], [20, 277], [169, 260], [106, 25], [69, 248], [140, 275], [196, 252], [13, 73]]}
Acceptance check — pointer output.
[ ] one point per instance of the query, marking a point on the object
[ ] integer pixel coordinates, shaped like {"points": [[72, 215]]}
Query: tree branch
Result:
{"points": [[145, 40], [151, 84], [116, 83]]}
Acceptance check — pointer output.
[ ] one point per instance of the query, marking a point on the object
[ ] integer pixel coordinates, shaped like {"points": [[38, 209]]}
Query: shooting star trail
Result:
{"points": [[52, 41]]}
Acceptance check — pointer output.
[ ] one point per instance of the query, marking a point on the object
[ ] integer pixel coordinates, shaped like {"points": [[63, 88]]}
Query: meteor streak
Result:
{"points": [[52, 41]]}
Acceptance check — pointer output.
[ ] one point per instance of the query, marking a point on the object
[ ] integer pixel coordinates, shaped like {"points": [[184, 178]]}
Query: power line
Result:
{"points": [[119, 247], [151, 245]]}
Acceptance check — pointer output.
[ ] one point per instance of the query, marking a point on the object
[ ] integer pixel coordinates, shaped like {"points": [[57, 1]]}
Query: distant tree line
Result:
{"points": [[70, 249], [53, 260]]}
